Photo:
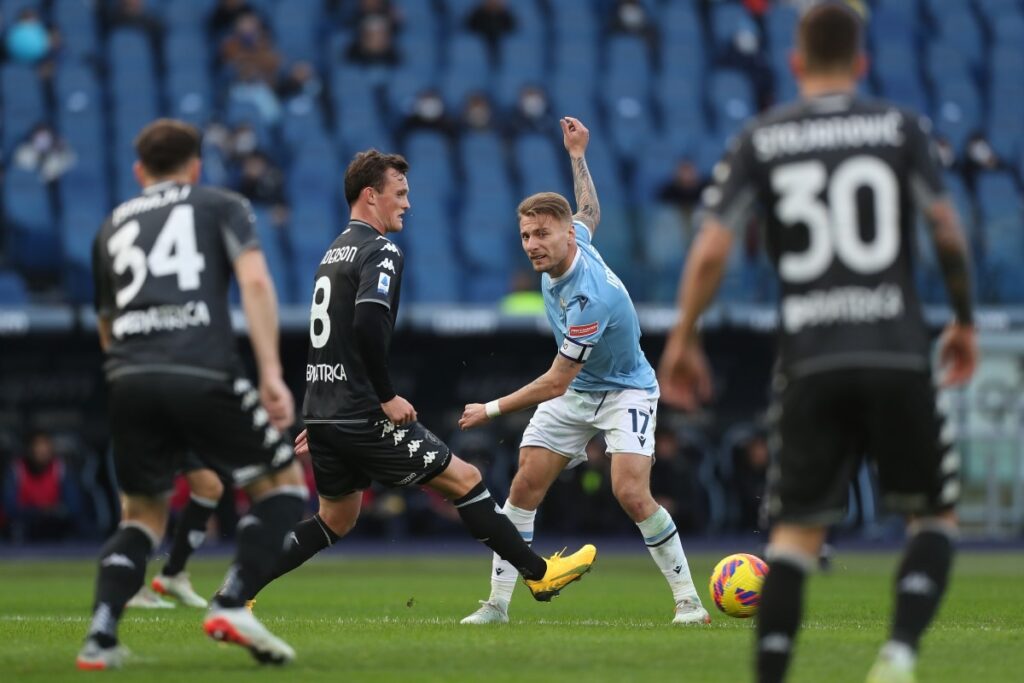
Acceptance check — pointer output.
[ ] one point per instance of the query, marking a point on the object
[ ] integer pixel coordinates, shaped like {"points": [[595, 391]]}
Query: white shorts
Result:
{"points": [[566, 424]]}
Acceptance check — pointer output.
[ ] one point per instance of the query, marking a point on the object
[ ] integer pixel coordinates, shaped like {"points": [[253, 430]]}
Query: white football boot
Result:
{"points": [[490, 612]]}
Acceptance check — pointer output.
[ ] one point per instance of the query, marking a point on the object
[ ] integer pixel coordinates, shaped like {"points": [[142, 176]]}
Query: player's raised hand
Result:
{"points": [[474, 415], [958, 354], [399, 411], [575, 136], [277, 401], [683, 373], [302, 444]]}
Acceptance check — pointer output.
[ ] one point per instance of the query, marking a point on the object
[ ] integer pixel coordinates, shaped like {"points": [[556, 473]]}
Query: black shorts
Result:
{"points": [[158, 419], [824, 424], [347, 456]]}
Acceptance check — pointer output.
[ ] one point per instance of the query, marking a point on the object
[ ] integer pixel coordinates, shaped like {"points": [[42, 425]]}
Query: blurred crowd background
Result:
{"points": [[470, 91]]}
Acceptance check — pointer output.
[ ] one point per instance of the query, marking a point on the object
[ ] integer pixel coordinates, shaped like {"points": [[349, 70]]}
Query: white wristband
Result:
{"points": [[492, 409]]}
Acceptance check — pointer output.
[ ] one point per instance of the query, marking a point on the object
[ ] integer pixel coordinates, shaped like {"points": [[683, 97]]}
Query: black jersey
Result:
{"points": [[162, 264], [361, 267], [837, 178]]}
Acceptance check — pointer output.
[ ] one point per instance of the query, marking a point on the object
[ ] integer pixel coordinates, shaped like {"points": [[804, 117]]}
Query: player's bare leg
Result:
{"points": [[631, 485], [122, 571], [538, 469]]}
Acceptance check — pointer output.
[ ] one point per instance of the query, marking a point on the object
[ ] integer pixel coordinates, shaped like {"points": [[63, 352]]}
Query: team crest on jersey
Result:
{"points": [[383, 283], [583, 330]]}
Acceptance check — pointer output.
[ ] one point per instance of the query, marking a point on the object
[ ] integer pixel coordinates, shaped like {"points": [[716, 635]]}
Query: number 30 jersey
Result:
{"points": [[162, 265], [837, 179], [360, 268]]}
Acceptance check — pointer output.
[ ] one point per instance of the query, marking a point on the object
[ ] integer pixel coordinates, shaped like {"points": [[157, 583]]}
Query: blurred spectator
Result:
{"points": [[262, 182], [630, 18], [525, 297], [40, 495], [947, 155], [300, 87], [375, 45], [979, 157], [684, 189], [354, 16], [492, 19], [750, 468], [675, 483], [428, 113], [250, 56], [134, 14], [28, 41], [225, 15], [477, 113], [532, 113], [43, 152]]}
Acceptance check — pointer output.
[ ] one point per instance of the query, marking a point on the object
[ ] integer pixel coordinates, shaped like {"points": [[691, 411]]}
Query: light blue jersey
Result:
{"points": [[594, 322]]}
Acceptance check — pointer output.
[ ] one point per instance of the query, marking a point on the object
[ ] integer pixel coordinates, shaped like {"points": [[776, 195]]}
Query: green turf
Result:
{"points": [[396, 619]]}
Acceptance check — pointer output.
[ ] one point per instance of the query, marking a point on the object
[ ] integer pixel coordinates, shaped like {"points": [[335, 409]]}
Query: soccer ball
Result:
{"points": [[736, 584]]}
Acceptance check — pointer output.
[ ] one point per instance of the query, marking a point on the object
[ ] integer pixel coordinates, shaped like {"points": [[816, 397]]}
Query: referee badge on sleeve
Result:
{"points": [[383, 283], [575, 351]]}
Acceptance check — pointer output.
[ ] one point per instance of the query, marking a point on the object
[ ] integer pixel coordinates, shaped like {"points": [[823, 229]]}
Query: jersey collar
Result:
{"points": [[567, 274], [159, 187]]}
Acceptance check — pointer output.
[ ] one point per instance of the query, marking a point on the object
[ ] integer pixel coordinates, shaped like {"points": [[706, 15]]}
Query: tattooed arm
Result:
{"points": [[951, 249], [588, 209]]}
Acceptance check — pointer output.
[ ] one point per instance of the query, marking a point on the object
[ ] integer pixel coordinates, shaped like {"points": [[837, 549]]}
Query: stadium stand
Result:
{"points": [[676, 88]]}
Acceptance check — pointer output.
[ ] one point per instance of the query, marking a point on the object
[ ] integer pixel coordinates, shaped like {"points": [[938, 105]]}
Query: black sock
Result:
{"points": [[309, 537], [189, 534], [121, 574], [778, 617], [492, 528], [261, 539], [920, 584]]}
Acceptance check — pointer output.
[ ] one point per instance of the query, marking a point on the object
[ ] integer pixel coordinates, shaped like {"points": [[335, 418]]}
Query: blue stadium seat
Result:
{"points": [[190, 95], [303, 127], [77, 88], [76, 20], [540, 167], [188, 14], [421, 51], [780, 25], [627, 58], [431, 161], [432, 272], [960, 29], [957, 111], [732, 100], [680, 22], [467, 68], [83, 209], [575, 18], [576, 58], [34, 244], [295, 32], [945, 62], [403, 87], [130, 56], [575, 97], [727, 21], [13, 291], [630, 125], [187, 49], [1008, 27], [1002, 218], [10, 8], [273, 245], [522, 63], [24, 107]]}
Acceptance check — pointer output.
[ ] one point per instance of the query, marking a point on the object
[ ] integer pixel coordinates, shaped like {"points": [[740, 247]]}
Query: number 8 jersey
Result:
{"points": [[837, 179], [360, 268], [162, 265]]}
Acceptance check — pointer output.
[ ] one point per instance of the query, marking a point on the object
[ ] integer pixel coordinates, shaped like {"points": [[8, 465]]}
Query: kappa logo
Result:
{"points": [[281, 455], [387, 264], [388, 426], [270, 437], [584, 330], [414, 446], [259, 418], [196, 538], [399, 435], [117, 560], [389, 246], [430, 457]]}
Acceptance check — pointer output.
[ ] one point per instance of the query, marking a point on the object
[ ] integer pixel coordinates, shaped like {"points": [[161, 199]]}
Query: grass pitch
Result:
{"points": [[396, 619]]}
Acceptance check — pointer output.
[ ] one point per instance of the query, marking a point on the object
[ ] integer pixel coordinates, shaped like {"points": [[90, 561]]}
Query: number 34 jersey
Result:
{"points": [[837, 179], [360, 268], [162, 265]]}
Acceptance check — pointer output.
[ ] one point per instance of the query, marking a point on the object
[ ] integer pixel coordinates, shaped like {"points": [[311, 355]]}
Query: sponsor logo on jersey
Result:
{"points": [[387, 264], [162, 319], [383, 283], [323, 372], [429, 457], [414, 446], [842, 305], [584, 330], [339, 254], [388, 246]]}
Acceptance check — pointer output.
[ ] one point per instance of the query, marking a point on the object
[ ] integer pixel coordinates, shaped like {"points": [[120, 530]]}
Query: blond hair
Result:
{"points": [[546, 204]]}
